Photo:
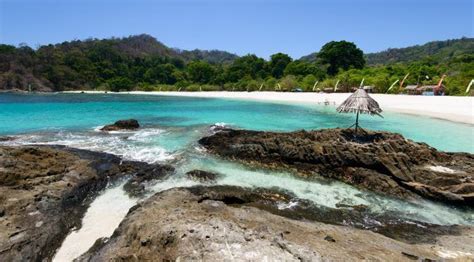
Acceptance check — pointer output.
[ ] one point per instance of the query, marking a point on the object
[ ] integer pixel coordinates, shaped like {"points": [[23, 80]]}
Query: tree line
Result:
{"points": [[142, 63]]}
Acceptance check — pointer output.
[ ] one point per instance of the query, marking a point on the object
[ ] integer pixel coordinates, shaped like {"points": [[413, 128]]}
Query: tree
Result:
{"points": [[249, 65], [288, 82], [200, 72], [341, 54], [120, 83], [278, 63], [308, 82], [302, 68], [162, 73]]}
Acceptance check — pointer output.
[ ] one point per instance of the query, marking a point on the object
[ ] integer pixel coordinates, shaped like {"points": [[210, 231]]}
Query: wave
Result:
{"points": [[136, 146]]}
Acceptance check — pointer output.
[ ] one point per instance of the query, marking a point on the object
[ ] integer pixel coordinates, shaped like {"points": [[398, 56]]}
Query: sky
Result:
{"points": [[261, 27]]}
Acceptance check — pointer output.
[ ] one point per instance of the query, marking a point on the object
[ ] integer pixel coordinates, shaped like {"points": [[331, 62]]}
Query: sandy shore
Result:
{"points": [[453, 108]]}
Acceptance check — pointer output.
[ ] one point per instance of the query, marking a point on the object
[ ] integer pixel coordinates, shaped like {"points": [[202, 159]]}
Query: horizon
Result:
{"points": [[50, 22]]}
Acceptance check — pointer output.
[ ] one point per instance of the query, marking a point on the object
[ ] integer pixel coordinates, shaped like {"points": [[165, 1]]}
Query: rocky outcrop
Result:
{"points": [[44, 192], [136, 186], [379, 161], [129, 124], [6, 138], [221, 223], [202, 176]]}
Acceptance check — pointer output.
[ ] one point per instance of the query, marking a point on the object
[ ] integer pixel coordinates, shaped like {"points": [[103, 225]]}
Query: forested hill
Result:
{"points": [[143, 63], [87, 63], [438, 50], [211, 56]]}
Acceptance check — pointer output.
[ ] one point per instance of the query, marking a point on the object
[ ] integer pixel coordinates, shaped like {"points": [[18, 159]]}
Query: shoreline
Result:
{"points": [[458, 109]]}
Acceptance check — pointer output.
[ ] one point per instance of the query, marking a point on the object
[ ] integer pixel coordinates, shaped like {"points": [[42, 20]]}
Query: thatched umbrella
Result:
{"points": [[360, 102]]}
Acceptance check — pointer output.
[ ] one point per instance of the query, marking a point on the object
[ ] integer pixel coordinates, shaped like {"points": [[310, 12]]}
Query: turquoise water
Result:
{"points": [[173, 125], [79, 112]]}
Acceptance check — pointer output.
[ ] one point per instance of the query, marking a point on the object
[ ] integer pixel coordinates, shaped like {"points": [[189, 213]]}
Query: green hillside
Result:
{"points": [[142, 63], [438, 50]]}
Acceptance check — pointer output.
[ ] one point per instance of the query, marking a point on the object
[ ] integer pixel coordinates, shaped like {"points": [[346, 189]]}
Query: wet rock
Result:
{"points": [[242, 228], [410, 256], [129, 124], [146, 175], [360, 208], [6, 138], [329, 239], [217, 127], [44, 192], [202, 176], [379, 161]]}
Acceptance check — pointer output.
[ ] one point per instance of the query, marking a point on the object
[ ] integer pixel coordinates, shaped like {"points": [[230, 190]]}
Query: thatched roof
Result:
{"points": [[360, 102]]}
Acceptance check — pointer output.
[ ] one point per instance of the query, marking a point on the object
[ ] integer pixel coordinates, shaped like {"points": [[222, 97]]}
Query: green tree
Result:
{"points": [[288, 82], [246, 66], [200, 72], [120, 83], [302, 68], [278, 63], [341, 54], [308, 82]]}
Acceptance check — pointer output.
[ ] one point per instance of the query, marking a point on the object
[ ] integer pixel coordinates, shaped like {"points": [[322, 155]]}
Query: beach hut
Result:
{"points": [[412, 89], [360, 103], [369, 89]]}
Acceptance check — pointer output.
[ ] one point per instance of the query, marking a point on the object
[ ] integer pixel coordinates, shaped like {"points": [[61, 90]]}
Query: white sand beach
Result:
{"points": [[453, 108]]}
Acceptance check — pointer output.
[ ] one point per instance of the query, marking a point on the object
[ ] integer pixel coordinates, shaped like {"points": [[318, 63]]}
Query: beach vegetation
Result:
{"points": [[142, 63]]}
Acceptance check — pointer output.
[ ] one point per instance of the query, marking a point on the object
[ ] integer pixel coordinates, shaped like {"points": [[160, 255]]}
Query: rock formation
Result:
{"points": [[136, 186], [379, 161], [202, 176], [129, 124], [44, 192], [222, 223]]}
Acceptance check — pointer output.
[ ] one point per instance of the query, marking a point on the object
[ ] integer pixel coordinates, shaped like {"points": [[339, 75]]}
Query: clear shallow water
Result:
{"points": [[102, 217], [171, 128], [23, 113]]}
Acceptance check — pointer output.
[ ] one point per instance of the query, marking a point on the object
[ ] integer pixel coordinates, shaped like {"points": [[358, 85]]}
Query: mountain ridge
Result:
{"points": [[440, 50]]}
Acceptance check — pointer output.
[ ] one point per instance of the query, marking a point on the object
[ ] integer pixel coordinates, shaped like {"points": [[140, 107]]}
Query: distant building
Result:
{"points": [[427, 90], [412, 90], [432, 90], [369, 89]]}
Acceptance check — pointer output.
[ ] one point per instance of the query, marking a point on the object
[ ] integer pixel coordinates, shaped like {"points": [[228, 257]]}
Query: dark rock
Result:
{"points": [[355, 207], [146, 174], [6, 138], [129, 124], [217, 127], [329, 238], [202, 176], [45, 191], [410, 256], [379, 161]]}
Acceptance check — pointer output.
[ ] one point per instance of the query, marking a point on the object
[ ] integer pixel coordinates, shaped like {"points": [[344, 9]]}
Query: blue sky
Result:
{"points": [[296, 27]]}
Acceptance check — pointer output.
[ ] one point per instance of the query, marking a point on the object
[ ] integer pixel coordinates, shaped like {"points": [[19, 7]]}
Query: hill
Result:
{"points": [[88, 63], [438, 50], [210, 56], [142, 62]]}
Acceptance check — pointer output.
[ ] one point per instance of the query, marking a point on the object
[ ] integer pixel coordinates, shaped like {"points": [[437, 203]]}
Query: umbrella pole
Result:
{"points": [[357, 122]]}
